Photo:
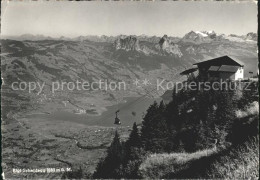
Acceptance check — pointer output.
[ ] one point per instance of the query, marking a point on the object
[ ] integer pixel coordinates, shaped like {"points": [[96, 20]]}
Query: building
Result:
{"points": [[190, 73], [80, 111], [221, 68]]}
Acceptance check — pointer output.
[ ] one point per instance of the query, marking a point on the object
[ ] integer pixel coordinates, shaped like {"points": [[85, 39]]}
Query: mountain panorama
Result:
{"points": [[76, 127], [151, 45], [134, 53], [195, 36]]}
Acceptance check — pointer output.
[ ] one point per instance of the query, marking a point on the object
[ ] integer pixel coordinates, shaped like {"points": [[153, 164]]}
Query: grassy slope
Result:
{"points": [[240, 162], [234, 163], [159, 165]]}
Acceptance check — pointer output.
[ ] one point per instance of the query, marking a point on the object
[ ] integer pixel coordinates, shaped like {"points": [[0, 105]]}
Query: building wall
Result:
{"points": [[226, 76], [239, 74]]}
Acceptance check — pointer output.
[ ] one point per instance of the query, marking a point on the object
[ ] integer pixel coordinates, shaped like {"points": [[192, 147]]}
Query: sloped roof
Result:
{"points": [[224, 68], [224, 60], [188, 71], [227, 68], [214, 68]]}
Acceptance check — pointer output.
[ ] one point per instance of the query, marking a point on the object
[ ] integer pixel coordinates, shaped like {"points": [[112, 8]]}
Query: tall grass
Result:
{"points": [[158, 165], [241, 162], [237, 162]]}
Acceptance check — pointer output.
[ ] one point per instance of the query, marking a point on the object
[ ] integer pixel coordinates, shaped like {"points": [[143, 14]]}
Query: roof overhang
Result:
{"points": [[188, 71]]}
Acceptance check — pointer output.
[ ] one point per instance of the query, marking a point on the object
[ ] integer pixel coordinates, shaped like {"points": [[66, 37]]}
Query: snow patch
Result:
{"points": [[201, 33]]}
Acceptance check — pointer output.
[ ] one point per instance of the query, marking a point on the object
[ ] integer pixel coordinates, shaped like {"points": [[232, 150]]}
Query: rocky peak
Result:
{"points": [[128, 43], [190, 35], [166, 45], [251, 36], [211, 34], [199, 36], [164, 42]]}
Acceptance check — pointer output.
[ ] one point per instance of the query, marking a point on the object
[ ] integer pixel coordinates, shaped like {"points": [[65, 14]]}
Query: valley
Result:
{"points": [[72, 128]]}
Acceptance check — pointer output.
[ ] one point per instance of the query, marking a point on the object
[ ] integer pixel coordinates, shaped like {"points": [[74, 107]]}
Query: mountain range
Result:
{"points": [[193, 36], [120, 58]]}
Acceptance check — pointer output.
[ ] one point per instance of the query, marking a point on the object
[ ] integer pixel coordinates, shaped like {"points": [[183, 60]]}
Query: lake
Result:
{"points": [[131, 111]]}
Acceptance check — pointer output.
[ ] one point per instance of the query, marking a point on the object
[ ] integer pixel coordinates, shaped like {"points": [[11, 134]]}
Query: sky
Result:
{"points": [[71, 19]]}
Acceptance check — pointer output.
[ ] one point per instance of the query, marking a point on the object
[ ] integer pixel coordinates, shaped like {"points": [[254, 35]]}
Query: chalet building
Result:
{"points": [[221, 68], [191, 73]]}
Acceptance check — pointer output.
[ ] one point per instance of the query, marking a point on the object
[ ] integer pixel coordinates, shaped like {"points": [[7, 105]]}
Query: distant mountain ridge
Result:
{"points": [[192, 36]]}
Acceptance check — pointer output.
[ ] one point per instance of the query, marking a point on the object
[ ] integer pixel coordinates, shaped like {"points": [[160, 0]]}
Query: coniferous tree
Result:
{"points": [[172, 112], [134, 154], [201, 138], [250, 94], [134, 139], [134, 142], [154, 129], [109, 167], [147, 124], [200, 106], [225, 114]]}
